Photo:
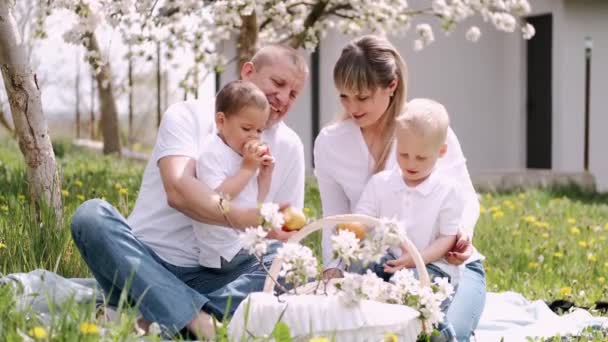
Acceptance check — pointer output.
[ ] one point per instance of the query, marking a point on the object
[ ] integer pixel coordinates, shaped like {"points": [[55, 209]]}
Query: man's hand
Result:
{"points": [[462, 249], [280, 234]]}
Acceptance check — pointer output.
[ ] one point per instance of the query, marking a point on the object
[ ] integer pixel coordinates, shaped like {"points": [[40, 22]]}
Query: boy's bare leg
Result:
{"points": [[202, 325]]}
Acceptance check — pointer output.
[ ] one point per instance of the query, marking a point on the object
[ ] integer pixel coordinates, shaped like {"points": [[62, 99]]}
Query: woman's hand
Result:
{"points": [[461, 251]]}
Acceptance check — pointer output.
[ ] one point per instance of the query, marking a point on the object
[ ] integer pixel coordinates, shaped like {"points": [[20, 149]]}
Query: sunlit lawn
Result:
{"points": [[544, 244]]}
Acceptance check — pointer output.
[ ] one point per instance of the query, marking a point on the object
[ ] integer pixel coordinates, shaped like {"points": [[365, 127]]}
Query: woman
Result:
{"points": [[371, 78]]}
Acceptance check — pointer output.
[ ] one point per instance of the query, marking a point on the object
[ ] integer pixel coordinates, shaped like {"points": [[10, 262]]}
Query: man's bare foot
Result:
{"points": [[202, 326]]}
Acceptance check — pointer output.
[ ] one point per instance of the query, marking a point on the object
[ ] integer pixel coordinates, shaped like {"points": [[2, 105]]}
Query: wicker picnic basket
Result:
{"points": [[310, 315]]}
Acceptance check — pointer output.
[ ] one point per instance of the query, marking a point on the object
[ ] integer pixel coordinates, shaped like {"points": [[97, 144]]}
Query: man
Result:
{"points": [[153, 254]]}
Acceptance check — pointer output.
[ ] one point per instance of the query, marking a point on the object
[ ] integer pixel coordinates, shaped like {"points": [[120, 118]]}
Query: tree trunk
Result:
{"points": [[30, 123], [107, 104], [4, 122], [248, 39]]}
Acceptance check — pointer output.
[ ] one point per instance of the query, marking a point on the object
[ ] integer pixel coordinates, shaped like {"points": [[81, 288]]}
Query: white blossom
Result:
{"points": [[519, 7], [473, 34], [504, 21], [272, 217], [426, 33], [298, 264], [528, 31], [254, 241], [345, 246]]}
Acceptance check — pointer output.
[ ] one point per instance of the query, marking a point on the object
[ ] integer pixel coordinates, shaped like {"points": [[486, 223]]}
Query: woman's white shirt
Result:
{"points": [[343, 165]]}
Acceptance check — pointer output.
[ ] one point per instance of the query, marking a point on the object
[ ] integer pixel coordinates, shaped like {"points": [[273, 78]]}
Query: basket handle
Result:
{"points": [[333, 220]]}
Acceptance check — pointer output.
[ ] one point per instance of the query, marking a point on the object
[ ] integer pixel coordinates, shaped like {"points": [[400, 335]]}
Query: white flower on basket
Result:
{"points": [[387, 234], [357, 287], [272, 217], [298, 263], [444, 288], [346, 246], [254, 240], [406, 282]]}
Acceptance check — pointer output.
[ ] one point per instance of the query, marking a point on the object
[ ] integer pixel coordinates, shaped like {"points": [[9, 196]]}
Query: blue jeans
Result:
{"points": [[468, 302], [445, 328], [164, 293]]}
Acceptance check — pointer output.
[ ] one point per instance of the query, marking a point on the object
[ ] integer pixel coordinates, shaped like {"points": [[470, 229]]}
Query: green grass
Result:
{"points": [[544, 244]]}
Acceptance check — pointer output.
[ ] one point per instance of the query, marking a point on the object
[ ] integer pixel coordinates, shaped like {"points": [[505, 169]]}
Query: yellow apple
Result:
{"points": [[358, 228], [294, 219]]}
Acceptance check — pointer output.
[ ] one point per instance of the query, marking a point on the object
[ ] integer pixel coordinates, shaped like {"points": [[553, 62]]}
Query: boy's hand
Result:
{"points": [[461, 251], [404, 261], [253, 154]]}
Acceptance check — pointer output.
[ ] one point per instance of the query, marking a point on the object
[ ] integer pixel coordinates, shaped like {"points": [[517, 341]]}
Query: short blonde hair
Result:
{"points": [[426, 118]]}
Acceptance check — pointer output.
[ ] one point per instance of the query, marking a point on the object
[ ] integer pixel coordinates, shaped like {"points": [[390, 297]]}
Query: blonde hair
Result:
{"points": [[368, 63], [426, 118], [267, 55]]}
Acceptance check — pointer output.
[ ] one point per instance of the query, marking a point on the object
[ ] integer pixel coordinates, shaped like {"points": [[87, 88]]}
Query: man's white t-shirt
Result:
{"points": [[168, 232], [432, 208], [216, 163]]}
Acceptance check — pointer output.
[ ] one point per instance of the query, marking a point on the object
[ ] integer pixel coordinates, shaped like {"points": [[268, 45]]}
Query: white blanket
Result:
{"points": [[510, 316]]}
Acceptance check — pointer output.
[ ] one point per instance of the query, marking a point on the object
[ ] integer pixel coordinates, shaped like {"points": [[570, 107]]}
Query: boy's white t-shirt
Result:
{"points": [[184, 126], [343, 166], [425, 211], [216, 163]]}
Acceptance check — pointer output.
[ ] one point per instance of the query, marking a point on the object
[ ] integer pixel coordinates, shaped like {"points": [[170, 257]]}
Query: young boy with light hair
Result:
{"points": [[235, 162], [429, 207]]}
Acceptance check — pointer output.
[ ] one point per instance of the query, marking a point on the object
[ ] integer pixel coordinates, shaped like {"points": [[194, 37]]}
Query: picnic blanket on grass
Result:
{"points": [[507, 315]]}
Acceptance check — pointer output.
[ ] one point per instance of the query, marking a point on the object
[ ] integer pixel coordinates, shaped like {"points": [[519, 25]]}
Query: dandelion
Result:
{"points": [[489, 196], [4, 208], [391, 337], [516, 233], [541, 224], [65, 193], [482, 209], [80, 198], [123, 191], [307, 210], [558, 255], [498, 214], [319, 339], [21, 198], [606, 265], [571, 220], [2, 245], [78, 184], [529, 219], [87, 328], [38, 333], [575, 231], [533, 265], [606, 227], [601, 280], [117, 186], [545, 235], [522, 196], [494, 208], [509, 204], [565, 291], [582, 244], [591, 257]]}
